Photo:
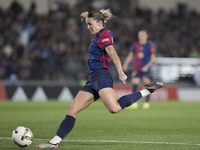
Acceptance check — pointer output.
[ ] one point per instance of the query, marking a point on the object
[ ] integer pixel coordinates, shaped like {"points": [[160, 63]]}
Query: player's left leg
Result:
{"points": [[146, 104], [135, 82], [82, 100], [136, 76]]}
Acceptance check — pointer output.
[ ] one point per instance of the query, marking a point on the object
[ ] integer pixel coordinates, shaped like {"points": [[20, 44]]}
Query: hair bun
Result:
{"points": [[107, 14]]}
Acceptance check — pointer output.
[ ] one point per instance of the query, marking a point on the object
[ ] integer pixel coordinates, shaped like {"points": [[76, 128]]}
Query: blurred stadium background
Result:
{"points": [[44, 46]]}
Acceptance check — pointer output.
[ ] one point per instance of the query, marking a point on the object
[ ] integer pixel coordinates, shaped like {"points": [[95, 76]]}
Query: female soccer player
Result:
{"points": [[144, 56], [100, 83]]}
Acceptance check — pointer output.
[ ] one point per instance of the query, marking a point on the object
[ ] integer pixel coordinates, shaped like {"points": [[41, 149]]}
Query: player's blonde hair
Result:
{"points": [[103, 15], [107, 14]]}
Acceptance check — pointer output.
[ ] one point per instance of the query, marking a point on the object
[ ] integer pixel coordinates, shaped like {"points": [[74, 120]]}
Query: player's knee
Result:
{"points": [[136, 81], [146, 80], [113, 110], [71, 112]]}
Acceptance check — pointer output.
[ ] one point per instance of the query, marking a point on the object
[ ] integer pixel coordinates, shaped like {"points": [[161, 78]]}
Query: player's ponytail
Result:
{"points": [[104, 15], [107, 14]]}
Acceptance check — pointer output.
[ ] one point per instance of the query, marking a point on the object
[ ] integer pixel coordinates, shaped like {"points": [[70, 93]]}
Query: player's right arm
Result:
{"points": [[84, 15], [127, 61]]}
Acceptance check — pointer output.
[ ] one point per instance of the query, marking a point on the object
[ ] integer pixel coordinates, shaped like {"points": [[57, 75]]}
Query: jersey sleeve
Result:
{"points": [[105, 39], [151, 49], [132, 47]]}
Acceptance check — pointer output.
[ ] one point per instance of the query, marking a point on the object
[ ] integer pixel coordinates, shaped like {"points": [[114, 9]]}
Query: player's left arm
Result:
{"points": [[150, 63], [112, 53]]}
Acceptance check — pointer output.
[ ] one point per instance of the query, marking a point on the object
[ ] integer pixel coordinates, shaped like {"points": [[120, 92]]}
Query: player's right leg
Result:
{"points": [[146, 79], [135, 82], [82, 100]]}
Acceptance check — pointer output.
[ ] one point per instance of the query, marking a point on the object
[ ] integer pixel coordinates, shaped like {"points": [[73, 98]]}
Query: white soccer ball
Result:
{"points": [[22, 136]]}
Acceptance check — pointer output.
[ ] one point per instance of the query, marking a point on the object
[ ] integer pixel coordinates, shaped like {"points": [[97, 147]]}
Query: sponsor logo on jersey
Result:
{"points": [[104, 40]]}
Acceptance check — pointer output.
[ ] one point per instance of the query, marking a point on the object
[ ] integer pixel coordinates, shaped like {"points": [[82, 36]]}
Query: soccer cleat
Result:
{"points": [[46, 145], [133, 106], [146, 105], [153, 86]]}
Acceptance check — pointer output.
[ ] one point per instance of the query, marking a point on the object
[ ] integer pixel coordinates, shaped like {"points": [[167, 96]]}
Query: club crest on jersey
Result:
{"points": [[104, 40], [140, 55]]}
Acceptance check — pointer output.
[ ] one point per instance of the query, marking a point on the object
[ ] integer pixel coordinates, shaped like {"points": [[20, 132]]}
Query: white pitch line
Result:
{"points": [[112, 141]]}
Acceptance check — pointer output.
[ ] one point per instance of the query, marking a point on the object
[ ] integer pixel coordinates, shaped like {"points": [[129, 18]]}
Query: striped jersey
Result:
{"points": [[142, 54], [98, 57]]}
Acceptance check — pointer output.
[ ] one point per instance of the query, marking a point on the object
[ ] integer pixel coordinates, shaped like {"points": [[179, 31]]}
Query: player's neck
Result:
{"points": [[142, 42]]}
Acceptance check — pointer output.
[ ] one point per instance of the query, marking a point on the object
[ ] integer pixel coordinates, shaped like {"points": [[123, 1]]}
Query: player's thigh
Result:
{"points": [[109, 99], [146, 79], [82, 100], [135, 80]]}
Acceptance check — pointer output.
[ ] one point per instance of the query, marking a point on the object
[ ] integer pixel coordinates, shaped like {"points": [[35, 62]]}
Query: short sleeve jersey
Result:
{"points": [[142, 54], [98, 57]]}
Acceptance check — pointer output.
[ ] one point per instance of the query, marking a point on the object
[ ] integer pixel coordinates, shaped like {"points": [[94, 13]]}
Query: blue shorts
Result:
{"points": [[98, 80], [140, 74]]}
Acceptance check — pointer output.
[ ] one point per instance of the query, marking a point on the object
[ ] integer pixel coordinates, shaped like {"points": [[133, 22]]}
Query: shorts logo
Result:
{"points": [[134, 73], [104, 40]]}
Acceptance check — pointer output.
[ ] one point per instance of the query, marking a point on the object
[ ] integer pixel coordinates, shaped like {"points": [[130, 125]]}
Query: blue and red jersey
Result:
{"points": [[98, 57], [142, 54]]}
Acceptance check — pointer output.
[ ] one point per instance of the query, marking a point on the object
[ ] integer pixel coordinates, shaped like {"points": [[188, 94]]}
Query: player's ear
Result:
{"points": [[100, 23]]}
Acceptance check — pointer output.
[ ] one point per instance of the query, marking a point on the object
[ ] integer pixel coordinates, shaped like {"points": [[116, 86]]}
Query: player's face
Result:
{"points": [[142, 36], [93, 26]]}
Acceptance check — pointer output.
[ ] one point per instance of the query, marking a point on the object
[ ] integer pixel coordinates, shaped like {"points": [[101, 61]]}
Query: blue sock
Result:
{"points": [[128, 100], [135, 86], [66, 126], [147, 98]]}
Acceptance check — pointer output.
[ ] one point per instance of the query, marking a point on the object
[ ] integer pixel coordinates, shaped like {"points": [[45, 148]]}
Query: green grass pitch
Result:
{"points": [[165, 126]]}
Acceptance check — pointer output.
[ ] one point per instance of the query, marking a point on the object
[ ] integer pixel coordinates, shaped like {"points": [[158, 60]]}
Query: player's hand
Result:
{"points": [[84, 15], [125, 67], [123, 77], [144, 69]]}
